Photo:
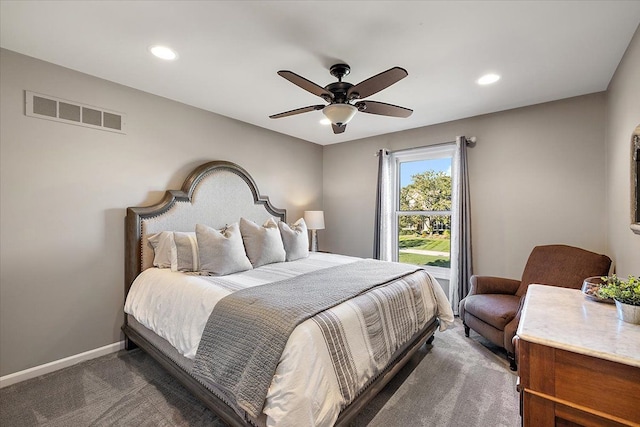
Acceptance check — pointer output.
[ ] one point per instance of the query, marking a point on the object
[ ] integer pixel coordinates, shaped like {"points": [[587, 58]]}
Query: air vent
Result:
{"points": [[74, 113]]}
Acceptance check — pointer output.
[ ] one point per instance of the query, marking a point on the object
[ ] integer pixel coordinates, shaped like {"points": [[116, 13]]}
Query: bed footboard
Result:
{"points": [[222, 410], [211, 401]]}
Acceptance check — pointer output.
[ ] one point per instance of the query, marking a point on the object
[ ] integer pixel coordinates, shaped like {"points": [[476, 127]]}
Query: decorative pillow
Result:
{"points": [[295, 239], [187, 258], [164, 248], [262, 244], [221, 252]]}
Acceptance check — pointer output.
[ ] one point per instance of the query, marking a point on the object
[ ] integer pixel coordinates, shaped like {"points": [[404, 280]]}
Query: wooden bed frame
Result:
{"points": [[178, 203]]}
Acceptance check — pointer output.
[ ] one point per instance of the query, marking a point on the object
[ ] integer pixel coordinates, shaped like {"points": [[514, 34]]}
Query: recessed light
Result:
{"points": [[163, 52], [487, 79], [325, 122]]}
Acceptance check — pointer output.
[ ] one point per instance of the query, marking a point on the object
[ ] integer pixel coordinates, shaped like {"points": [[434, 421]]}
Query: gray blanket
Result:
{"points": [[247, 331]]}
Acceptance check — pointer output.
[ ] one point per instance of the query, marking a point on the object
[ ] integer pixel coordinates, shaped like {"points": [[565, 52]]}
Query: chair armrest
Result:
{"points": [[511, 328], [493, 285]]}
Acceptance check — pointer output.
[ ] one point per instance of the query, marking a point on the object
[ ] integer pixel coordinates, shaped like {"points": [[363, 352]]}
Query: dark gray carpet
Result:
{"points": [[456, 381]]}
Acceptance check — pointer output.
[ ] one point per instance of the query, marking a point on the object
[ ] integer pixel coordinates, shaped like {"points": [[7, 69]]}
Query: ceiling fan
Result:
{"points": [[345, 99]]}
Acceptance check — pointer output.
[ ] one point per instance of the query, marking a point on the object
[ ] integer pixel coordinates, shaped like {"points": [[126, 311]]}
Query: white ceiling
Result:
{"points": [[230, 51]]}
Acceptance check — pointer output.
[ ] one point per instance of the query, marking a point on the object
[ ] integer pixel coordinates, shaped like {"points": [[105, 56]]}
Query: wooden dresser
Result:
{"points": [[578, 364]]}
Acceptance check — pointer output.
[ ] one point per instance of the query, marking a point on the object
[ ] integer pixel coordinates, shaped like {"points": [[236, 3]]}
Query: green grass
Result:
{"points": [[426, 243], [417, 259]]}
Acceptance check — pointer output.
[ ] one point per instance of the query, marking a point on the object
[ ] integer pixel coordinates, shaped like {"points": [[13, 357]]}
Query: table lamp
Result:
{"points": [[314, 221]]}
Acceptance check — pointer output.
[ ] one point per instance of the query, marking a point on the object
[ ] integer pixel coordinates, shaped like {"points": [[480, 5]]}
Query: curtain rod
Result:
{"points": [[470, 140]]}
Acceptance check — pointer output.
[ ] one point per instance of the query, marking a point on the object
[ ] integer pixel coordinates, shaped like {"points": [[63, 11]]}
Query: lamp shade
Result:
{"points": [[339, 114], [314, 220]]}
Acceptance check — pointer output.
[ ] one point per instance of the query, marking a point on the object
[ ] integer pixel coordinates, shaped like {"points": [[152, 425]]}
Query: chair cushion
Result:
{"points": [[495, 309]]}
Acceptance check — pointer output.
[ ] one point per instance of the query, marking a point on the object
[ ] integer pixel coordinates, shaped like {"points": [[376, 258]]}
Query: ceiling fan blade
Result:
{"points": [[338, 129], [376, 83], [307, 85], [297, 111], [383, 109]]}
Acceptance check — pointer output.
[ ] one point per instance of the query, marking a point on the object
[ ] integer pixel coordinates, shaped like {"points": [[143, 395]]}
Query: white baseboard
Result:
{"points": [[36, 371]]}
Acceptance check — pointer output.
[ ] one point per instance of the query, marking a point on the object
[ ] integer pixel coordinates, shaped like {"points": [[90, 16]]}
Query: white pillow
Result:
{"points": [[164, 249], [186, 248], [295, 239], [221, 253], [263, 244]]}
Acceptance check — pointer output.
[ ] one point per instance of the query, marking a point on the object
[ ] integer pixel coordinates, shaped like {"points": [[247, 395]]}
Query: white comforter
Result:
{"points": [[307, 390]]}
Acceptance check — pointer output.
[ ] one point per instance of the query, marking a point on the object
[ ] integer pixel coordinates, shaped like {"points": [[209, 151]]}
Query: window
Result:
{"points": [[421, 191]]}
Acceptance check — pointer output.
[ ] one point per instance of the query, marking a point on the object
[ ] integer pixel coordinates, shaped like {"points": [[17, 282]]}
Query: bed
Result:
{"points": [[332, 361]]}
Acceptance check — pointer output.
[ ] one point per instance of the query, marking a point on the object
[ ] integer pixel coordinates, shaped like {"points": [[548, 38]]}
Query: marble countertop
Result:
{"points": [[566, 319]]}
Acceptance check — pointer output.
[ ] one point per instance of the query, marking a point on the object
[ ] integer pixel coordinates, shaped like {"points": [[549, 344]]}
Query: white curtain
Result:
{"points": [[383, 237], [461, 263]]}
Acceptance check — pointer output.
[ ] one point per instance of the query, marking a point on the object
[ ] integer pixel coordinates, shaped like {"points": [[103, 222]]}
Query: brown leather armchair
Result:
{"points": [[492, 307]]}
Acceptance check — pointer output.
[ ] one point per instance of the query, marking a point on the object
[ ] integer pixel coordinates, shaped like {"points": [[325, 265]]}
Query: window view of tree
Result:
{"points": [[424, 217]]}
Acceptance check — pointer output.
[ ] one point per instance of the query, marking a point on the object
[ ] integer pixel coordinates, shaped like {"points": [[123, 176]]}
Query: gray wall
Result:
{"points": [[536, 177], [64, 190], [623, 117]]}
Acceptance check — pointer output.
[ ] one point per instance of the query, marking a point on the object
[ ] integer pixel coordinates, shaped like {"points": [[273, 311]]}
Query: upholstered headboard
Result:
{"points": [[215, 194]]}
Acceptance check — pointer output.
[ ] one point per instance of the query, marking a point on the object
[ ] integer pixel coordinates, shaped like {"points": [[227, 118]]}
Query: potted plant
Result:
{"points": [[626, 294]]}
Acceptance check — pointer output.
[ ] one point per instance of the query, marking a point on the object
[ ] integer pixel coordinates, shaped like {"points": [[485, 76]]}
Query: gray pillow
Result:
{"points": [[221, 252], [295, 239], [164, 249], [187, 258], [263, 244]]}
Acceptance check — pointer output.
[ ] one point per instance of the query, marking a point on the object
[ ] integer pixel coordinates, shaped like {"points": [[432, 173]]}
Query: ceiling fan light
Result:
{"points": [[339, 114]]}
